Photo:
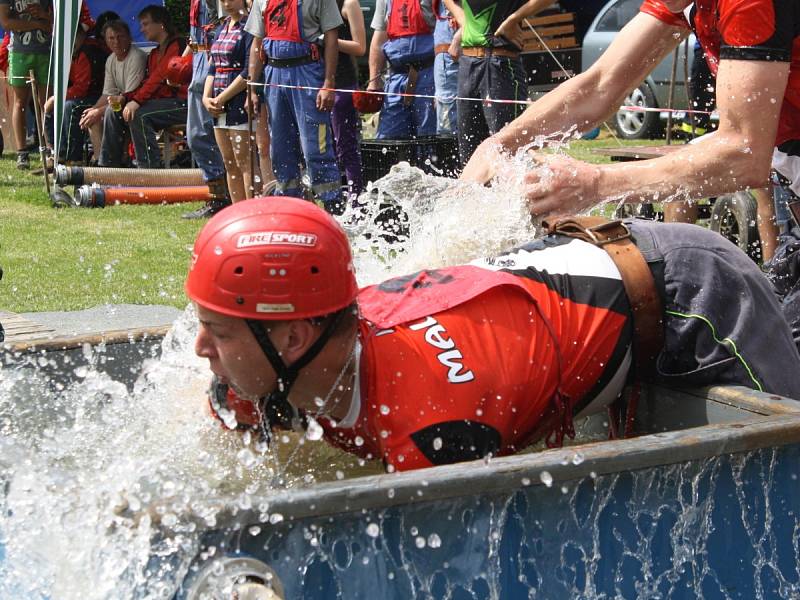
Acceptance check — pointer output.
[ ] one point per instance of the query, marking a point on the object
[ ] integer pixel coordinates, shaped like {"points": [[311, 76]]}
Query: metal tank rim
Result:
{"points": [[764, 420]]}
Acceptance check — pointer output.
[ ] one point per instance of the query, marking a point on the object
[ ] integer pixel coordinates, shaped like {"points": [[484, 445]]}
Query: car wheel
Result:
{"points": [[638, 125], [734, 217]]}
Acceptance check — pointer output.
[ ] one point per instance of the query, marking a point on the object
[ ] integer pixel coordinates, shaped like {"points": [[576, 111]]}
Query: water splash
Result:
{"points": [[409, 221], [97, 477]]}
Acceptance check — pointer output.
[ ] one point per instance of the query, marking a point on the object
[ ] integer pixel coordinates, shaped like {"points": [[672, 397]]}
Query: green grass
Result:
{"points": [[70, 259]]}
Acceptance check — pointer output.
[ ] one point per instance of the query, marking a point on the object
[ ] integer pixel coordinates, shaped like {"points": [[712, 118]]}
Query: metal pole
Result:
{"points": [[692, 115], [37, 111], [671, 96]]}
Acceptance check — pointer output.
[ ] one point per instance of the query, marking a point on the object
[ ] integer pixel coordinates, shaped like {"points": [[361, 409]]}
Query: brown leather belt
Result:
{"points": [[441, 48], [615, 238], [484, 51], [199, 47]]}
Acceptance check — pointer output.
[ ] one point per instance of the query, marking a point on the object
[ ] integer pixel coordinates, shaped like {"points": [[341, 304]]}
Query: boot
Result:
{"points": [[219, 199]]}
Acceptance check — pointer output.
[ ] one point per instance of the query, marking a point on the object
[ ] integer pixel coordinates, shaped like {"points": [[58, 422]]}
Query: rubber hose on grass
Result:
{"points": [[97, 197], [108, 176]]}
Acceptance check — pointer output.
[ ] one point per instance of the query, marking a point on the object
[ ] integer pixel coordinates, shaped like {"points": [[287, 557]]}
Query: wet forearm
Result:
{"points": [[721, 164]]}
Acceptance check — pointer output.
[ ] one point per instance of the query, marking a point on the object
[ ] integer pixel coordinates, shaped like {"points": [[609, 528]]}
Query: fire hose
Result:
{"points": [[109, 176], [89, 196]]}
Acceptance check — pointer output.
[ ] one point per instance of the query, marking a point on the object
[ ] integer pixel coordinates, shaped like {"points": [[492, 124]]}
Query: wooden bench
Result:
{"points": [[555, 57], [557, 31], [628, 153]]}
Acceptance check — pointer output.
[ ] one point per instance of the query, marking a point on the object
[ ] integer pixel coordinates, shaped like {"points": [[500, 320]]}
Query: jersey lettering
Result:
{"points": [[436, 336]]}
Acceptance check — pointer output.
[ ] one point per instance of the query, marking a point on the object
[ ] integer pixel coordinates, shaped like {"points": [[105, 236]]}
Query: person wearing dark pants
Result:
{"points": [[701, 95], [490, 66], [344, 119], [203, 21], [154, 115], [487, 73], [85, 87]]}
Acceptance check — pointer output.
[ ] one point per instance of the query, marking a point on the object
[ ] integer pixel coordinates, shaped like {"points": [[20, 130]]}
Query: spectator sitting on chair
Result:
{"points": [[85, 86], [124, 71], [30, 23], [154, 105]]}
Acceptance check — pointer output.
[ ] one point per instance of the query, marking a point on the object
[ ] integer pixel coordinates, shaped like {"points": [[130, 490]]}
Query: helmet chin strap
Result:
{"points": [[275, 408]]}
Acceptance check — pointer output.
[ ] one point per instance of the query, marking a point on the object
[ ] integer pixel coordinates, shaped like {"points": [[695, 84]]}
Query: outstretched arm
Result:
{"points": [[588, 98], [738, 156]]}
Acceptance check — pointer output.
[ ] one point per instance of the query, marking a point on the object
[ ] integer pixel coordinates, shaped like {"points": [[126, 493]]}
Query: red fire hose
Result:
{"points": [[97, 197]]}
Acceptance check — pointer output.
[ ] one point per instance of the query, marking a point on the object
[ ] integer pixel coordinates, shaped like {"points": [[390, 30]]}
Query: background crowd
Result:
{"points": [[268, 95]]}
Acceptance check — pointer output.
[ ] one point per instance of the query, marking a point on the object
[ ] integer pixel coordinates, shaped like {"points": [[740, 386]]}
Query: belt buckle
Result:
{"points": [[591, 232]]}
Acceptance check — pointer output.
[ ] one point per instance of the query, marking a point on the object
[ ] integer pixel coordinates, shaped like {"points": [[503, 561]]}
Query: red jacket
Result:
{"points": [[86, 72], [154, 84], [764, 30]]}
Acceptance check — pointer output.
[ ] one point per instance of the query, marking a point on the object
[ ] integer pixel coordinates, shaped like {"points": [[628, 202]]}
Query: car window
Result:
{"points": [[616, 17]]}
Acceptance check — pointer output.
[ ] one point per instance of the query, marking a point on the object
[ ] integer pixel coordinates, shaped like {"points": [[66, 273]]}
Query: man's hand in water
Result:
{"points": [[481, 166], [560, 185]]}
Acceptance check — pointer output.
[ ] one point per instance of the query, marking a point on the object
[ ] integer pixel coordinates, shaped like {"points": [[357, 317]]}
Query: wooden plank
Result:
{"points": [[638, 152], [553, 44], [548, 32], [122, 336], [551, 19]]}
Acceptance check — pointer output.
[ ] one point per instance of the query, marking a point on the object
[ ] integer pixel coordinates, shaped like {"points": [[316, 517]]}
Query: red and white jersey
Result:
{"points": [[486, 358], [764, 30]]}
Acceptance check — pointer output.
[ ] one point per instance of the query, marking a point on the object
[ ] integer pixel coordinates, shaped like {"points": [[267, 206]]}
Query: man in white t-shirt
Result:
{"points": [[125, 69]]}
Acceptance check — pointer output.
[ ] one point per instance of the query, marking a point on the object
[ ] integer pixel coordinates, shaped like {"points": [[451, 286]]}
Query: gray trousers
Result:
{"points": [[722, 323], [152, 116]]}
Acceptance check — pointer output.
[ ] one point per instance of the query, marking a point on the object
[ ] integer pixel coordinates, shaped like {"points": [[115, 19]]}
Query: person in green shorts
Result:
{"points": [[30, 23]]}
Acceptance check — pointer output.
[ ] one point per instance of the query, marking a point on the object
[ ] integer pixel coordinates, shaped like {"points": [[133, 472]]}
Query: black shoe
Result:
{"points": [[23, 161], [209, 209]]}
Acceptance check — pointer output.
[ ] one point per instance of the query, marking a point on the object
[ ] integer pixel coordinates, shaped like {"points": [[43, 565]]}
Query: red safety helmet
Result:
{"points": [[272, 258], [179, 70], [367, 102]]}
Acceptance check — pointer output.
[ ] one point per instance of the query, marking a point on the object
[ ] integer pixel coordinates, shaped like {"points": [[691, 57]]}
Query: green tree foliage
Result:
{"points": [[179, 11]]}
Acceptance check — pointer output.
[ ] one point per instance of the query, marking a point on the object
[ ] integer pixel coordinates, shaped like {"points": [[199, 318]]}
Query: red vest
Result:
{"points": [[282, 21], [406, 19], [471, 345], [194, 13]]}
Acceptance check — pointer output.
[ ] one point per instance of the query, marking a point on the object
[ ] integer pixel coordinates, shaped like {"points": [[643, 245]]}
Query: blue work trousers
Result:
{"points": [[403, 118], [445, 76], [299, 131], [200, 125]]}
